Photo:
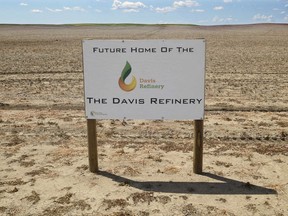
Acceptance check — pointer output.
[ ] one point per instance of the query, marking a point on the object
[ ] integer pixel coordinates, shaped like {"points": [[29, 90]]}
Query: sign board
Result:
{"points": [[144, 79]]}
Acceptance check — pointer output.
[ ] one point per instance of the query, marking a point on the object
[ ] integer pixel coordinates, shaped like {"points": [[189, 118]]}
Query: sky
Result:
{"points": [[200, 12]]}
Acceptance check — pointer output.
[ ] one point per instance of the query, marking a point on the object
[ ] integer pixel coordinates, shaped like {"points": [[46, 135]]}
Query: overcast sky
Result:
{"points": [[201, 12]]}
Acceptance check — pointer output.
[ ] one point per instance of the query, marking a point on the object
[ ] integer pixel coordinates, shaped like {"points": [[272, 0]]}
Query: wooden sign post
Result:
{"points": [[198, 147], [92, 145]]}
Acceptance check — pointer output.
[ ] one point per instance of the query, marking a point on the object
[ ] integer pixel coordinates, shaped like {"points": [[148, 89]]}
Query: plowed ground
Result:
{"points": [[146, 166]]}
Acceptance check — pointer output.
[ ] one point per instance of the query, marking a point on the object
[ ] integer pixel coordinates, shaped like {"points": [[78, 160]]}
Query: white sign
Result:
{"points": [[144, 79]]}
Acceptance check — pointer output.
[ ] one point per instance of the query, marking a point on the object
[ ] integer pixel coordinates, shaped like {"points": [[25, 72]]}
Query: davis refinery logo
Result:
{"points": [[144, 83], [125, 73]]}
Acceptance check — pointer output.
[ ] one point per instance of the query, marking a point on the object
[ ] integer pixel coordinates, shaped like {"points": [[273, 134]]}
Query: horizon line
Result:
{"points": [[138, 24]]}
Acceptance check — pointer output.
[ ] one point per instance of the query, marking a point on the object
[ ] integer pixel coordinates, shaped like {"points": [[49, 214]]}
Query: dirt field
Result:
{"points": [[146, 166]]}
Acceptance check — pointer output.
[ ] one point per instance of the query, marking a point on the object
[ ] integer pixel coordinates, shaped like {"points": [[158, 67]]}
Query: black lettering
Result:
{"points": [[177, 101], [133, 49], [192, 101], [97, 100], [153, 101], [116, 100], [182, 49], [168, 100], [131, 101], [124, 101], [164, 49], [89, 99]]}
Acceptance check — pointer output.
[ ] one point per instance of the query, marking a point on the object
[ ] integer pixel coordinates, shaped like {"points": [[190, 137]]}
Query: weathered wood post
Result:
{"points": [[92, 145], [198, 147]]}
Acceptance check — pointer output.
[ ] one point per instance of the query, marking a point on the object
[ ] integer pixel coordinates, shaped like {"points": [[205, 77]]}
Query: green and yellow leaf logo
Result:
{"points": [[125, 73]]}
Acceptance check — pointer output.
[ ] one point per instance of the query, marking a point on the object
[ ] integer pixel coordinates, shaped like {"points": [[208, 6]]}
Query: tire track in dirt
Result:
{"points": [[81, 71], [40, 72], [5, 106]]}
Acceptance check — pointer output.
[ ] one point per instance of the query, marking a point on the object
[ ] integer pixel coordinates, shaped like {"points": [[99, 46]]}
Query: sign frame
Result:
{"points": [[162, 76], [92, 132]]}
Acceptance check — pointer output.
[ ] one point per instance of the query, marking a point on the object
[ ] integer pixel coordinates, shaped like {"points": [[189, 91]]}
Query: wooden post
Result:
{"points": [[92, 145], [198, 147]]}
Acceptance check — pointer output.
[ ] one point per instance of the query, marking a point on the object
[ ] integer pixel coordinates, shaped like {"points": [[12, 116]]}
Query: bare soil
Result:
{"points": [[145, 166]]}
